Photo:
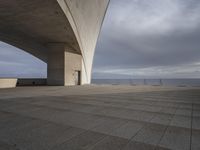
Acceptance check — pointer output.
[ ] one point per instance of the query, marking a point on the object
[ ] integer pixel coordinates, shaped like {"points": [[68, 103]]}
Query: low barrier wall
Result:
{"points": [[8, 82], [31, 82]]}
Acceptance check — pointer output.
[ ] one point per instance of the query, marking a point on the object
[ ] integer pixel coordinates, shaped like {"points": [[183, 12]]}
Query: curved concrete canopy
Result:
{"points": [[34, 24]]}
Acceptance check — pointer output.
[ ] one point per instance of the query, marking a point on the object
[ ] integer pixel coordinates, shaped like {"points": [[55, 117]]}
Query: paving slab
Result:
{"points": [[181, 121], [176, 138], [133, 145], [43, 138], [83, 141], [110, 143], [22, 108], [11, 132], [163, 119], [14, 122], [187, 106], [5, 116], [144, 107], [109, 126], [196, 113], [136, 115], [168, 110], [128, 130], [196, 106], [196, 123], [150, 134], [184, 111], [5, 146], [195, 145]]}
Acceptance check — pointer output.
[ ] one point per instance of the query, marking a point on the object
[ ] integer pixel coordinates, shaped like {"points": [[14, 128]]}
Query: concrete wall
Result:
{"points": [[73, 63], [55, 64], [62, 64], [8, 82], [32, 82]]}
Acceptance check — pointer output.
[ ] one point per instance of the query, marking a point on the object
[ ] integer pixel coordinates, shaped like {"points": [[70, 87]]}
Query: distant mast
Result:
{"points": [[145, 82], [161, 83]]}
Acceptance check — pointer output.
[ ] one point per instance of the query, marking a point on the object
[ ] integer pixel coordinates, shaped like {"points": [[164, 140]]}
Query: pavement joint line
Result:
{"points": [[86, 130], [135, 100], [122, 97], [191, 127], [109, 116], [147, 100], [92, 114], [112, 107], [40, 119], [80, 135], [92, 147], [167, 126], [130, 103], [62, 125], [78, 112], [132, 138], [104, 108]]}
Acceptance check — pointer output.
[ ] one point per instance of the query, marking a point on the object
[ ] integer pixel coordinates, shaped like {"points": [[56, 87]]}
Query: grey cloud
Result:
{"points": [[154, 33]]}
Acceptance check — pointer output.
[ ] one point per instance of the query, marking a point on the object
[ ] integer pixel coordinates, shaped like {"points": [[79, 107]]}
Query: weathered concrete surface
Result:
{"points": [[8, 83], [62, 65], [100, 118], [33, 25], [73, 63]]}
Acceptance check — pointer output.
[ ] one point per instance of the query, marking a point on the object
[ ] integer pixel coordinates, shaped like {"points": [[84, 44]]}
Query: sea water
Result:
{"points": [[154, 82]]}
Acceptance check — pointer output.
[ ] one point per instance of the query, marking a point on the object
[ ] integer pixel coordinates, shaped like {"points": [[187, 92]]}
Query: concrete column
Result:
{"points": [[64, 65]]}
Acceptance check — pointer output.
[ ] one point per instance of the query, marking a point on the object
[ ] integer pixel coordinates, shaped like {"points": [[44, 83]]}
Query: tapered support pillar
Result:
{"points": [[64, 66]]}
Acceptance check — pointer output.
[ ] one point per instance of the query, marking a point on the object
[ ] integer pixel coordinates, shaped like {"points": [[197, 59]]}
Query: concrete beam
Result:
{"points": [[24, 42]]}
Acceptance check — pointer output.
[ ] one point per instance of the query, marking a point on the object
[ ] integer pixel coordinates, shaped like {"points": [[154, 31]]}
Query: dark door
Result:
{"points": [[77, 77]]}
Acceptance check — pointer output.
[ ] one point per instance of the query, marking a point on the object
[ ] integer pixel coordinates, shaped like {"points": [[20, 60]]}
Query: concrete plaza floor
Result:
{"points": [[100, 118]]}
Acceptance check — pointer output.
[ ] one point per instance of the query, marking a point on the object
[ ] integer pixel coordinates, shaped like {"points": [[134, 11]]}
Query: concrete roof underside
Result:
{"points": [[32, 24]]}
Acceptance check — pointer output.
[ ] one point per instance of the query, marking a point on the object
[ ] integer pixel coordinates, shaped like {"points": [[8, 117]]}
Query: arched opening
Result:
{"points": [[18, 64]]}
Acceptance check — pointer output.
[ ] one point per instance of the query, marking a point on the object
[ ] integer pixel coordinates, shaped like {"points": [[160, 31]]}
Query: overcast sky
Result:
{"points": [[139, 39]]}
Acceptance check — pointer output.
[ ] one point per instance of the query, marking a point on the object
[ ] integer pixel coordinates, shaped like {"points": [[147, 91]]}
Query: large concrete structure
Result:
{"points": [[62, 33]]}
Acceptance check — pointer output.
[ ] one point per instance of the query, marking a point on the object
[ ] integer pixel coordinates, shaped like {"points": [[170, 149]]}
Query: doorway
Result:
{"points": [[77, 77]]}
